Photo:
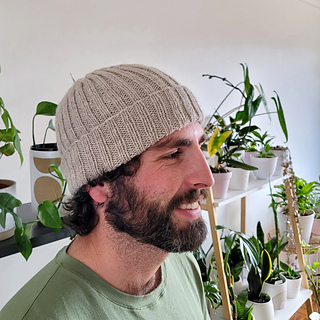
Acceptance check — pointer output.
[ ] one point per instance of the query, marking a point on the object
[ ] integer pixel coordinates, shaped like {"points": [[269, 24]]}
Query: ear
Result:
{"points": [[98, 193]]}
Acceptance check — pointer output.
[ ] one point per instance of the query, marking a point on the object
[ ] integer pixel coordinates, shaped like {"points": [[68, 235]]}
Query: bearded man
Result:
{"points": [[129, 138]]}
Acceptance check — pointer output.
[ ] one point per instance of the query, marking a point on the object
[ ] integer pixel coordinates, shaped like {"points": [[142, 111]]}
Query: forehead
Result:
{"points": [[192, 133]]}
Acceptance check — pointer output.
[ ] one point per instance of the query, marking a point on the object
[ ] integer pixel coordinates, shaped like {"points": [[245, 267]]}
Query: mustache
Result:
{"points": [[190, 196]]}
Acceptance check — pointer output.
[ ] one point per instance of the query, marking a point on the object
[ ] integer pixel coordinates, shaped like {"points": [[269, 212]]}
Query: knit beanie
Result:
{"points": [[116, 113]]}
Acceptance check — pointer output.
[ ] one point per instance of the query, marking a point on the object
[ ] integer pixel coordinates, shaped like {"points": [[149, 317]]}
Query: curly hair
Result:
{"points": [[82, 217]]}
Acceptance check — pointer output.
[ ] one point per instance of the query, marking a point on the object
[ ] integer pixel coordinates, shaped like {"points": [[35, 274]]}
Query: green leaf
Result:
{"points": [[48, 215], [281, 117], [7, 205], [22, 240], [216, 141], [46, 108], [239, 164], [7, 149]]}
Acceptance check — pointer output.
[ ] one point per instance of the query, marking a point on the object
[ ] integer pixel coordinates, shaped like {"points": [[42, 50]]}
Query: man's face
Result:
{"points": [[159, 205]]}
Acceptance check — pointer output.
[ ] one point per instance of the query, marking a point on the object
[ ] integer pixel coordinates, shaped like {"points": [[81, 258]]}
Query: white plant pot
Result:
{"points": [[262, 311], [221, 184], [43, 185], [293, 288], [305, 225], [8, 186], [239, 179], [266, 166], [284, 225], [282, 155], [278, 293]]}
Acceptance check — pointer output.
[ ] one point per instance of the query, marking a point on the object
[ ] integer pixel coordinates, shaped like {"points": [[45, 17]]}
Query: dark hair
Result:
{"points": [[82, 217]]}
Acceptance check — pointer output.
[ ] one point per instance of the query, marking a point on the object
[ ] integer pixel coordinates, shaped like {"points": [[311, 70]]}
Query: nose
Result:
{"points": [[200, 173]]}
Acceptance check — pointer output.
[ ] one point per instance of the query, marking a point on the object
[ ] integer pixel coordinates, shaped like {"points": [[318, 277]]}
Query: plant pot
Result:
{"points": [[221, 185], [282, 154], [293, 287], [266, 166], [8, 186], [284, 225], [316, 226], [278, 293], [263, 310], [43, 185], [305, 225], [239, 179]]}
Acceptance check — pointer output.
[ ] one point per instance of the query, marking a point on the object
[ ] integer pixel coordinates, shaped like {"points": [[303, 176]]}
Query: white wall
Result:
{"points": [[42, 42]]}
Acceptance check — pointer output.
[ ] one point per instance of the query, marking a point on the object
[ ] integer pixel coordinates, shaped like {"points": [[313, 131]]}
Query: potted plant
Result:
{"points": [[263, 159], [9, 144], [235, 244], [275, 286], [43, 185], [260, 301], [48, 214], [294, 279], [225, 140], [305, 195]]}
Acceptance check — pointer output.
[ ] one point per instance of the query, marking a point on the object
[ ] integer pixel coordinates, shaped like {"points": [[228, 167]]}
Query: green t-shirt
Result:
{"points": [[67, 289]]}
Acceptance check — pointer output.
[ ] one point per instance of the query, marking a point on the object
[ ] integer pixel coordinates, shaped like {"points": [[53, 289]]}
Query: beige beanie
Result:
{"points": [[116, 113]]}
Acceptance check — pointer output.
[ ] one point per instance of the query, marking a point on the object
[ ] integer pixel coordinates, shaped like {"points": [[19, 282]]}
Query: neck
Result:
{"points": [[120, 260]]}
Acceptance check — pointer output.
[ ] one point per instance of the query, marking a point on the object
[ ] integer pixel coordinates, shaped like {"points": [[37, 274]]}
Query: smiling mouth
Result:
{"points": [[189, 206]]}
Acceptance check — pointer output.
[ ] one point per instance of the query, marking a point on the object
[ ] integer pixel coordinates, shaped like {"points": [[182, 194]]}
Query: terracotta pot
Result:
{"points": [[221, 184], [8, 186]]}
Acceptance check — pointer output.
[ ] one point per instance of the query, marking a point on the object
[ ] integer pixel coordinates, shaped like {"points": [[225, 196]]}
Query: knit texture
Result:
{"points": [[116, 113]]}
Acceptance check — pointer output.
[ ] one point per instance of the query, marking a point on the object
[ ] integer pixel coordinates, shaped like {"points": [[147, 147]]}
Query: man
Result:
{"points": [[129, 138]]}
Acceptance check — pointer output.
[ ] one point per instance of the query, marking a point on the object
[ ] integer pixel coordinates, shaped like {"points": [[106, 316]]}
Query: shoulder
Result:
{"points": [[44, 281]]}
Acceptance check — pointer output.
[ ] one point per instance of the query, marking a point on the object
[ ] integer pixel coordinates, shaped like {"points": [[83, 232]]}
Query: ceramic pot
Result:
{"points": [[8, 186], [262, 311], [43, 185], [266, 166], [293, 287], [239, 179], [247, 156], [278, 292], [305, 225], [221, 184]]}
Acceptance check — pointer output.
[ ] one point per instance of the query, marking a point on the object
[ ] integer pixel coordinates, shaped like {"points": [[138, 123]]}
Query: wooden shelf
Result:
{"points": [[255, 185]]}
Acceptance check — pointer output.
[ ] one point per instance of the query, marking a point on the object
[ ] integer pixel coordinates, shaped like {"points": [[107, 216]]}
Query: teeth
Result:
{"points": [[193, 205]]}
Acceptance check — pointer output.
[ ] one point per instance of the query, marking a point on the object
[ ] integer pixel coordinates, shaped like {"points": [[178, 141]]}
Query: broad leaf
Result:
{"points": [[7, 205], [48, 215], [46, 108], [22, 241], [216, 141]]}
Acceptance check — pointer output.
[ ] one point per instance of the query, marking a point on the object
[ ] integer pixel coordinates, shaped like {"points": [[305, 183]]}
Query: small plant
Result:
{"points": [[257, 277], [261, 144], [290, 273], [44, 108]]}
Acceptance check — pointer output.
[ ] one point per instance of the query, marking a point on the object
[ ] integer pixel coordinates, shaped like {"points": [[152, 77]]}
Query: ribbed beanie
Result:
{"points": [[116, 113]]}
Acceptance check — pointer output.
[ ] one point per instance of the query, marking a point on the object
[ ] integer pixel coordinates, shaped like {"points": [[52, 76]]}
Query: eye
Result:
{"points": [[173, 155]]}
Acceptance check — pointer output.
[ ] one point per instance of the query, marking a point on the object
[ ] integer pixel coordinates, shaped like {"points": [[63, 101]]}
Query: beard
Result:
{"points": [[150, 222]]}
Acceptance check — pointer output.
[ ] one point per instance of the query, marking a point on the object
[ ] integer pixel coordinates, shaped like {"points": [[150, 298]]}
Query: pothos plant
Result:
{"points": [[48, 213], [226, 139]]}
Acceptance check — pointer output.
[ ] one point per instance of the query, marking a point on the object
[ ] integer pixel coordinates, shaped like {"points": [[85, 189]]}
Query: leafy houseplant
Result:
{"points": [[226, 140], [233, 243]]}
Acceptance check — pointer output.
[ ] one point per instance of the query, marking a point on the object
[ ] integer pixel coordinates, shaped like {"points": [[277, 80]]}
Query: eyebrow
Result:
{"points": [[176, 142]]}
